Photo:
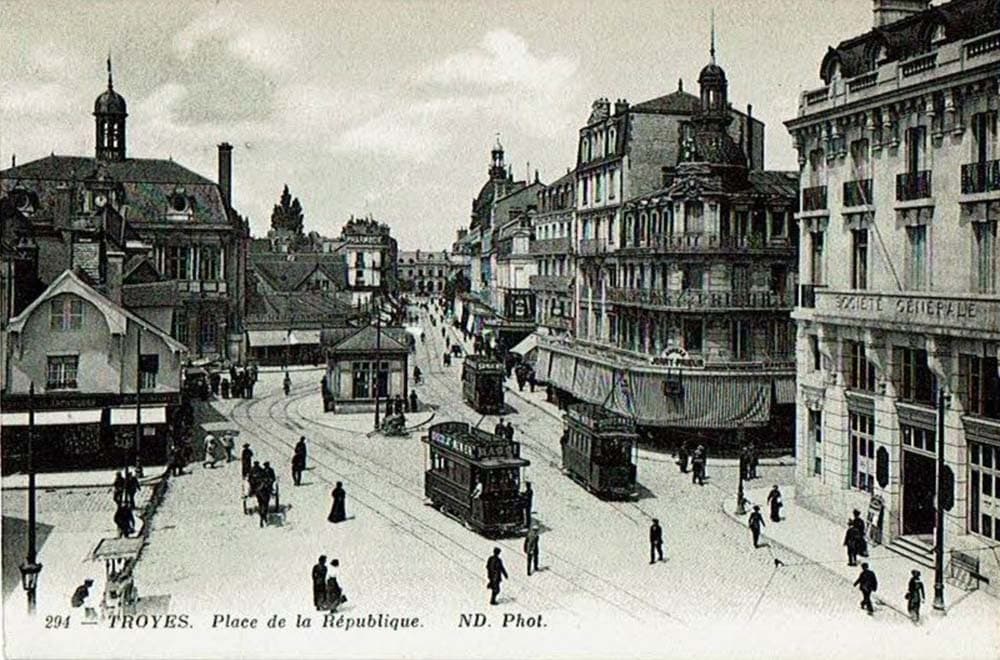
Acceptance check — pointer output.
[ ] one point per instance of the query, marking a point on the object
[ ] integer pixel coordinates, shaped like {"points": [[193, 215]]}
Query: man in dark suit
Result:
{"points": [[495, 573], [531, 548], [319, 582], [867, 583], [655, 541], [247, 460]]}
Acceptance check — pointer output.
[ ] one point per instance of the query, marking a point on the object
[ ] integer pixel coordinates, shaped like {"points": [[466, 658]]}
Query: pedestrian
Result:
{"points": [[413, 401], [914, 596], [251, 381], [334, 593], [510, 431], [255, 477], [744, 463], [683, 453], [500, 431], [124, 520], [528, 497], [298, 465], [263, 494], [81, 598], [495, 574], [756, 522], [246, 457], [119, 487], [531, 548], [300, 448], [859, 522], [338, 510], [853, 542], [388, 407], [655, 541], [398, 405], [269, 474], [698, 465], [868, 584], [225, 388], [175, 460], [286, 384], [209, 451], [319, 582], [752, 465], [521, 378], [531, 379], [131, 487], [229, 444], [774, 500]]}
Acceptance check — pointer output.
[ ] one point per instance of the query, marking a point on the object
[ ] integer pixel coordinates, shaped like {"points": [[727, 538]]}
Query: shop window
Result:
{"points": [[859, 259], [816, 440], [62, 371], [984, 490], [862, 451]]}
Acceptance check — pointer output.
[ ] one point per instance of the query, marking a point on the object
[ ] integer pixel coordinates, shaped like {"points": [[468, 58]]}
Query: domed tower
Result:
{"points": [[714, 87], [109, 117], [498, 171]]}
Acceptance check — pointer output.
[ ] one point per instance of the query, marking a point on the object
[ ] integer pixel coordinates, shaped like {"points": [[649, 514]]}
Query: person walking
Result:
{"points": [[774, 500], [229, 444], [655, 541], [698, 466], [319, 582], [853, 542], [914, 596], [246, 458], [683, 454], [532, 380], [868, 584], [124, 520], [286, 384], [413, 401], [334, 592], [859, 523], [338, 512], [131, 488], [264, 489], [209, 451], [531, 548], [119, 487], [528, 496], [752, 463], [495, 574], [298, 465], [510, 431], [756, 523]]}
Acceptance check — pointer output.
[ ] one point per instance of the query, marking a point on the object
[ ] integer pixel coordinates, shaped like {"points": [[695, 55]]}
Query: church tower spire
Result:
{"points": [[497, 168], [109, 118]]}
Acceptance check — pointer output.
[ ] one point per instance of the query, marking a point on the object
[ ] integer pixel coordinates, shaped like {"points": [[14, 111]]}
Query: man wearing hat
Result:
{"points": [[655, 541], [531, 548], [867, 583], [247, 458], [755, 523]]}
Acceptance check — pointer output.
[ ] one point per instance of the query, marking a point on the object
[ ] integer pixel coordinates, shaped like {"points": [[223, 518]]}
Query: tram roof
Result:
{"points": [[599, 418], [468, 433]]}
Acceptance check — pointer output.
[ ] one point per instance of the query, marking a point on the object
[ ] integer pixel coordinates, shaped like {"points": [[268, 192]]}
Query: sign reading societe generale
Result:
{"points": [[962, 313]]}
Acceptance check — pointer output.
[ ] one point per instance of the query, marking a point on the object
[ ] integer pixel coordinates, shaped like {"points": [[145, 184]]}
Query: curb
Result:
{"points": [[145, 481]]}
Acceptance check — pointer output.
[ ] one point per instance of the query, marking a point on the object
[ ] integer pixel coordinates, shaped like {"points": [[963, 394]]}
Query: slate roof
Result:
{"points": [[674, 103], [363, 340], [284, 275], [292, 308], [78, 168], [150, 294], [141, 269]]}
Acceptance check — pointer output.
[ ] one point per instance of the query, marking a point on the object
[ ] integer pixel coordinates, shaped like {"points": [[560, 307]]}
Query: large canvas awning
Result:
{"points": [[525, 347], [260, 338]]}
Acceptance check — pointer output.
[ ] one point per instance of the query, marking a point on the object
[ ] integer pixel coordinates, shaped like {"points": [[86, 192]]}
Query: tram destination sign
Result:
{"points": [[603, 424], [475, 451], [966, 313]]}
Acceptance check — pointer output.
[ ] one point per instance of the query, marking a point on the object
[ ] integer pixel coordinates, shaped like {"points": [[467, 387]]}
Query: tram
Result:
{"points": [[482, 384], [599, 450], [475, 476]]}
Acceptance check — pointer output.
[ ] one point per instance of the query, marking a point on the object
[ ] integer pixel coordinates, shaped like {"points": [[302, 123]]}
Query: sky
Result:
{"points": [[388, 108]]}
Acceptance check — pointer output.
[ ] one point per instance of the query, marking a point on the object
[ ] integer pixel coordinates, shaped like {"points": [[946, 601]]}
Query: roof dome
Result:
{"points": [[711, 73], [110, 102]]}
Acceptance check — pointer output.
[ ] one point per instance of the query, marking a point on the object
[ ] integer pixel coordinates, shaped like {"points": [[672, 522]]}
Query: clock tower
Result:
{"points": [[109, 118]]}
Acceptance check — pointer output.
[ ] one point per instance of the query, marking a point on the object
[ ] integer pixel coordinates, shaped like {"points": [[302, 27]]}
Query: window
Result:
{"points": [[149, 365], [914, 380], [779, 279], [208, 334], [66, 313], [694, 217], [778, 224], [859, 161], [362, 381], [859, 259], [984, 136], [62, 372], [692, 278], [918, 438], [180, 326], [860, 370], [611, 184], [209, 263], [916, 257], [979, 385], [816, 439], [916, 149], [598, 187], [741, 339], [862, 451], [815, 167], [177, 262], [692, 335], [985, 257], [817, 357], [816, 261], [984, 490]]}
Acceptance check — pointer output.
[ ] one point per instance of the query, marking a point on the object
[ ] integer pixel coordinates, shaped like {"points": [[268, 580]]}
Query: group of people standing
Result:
{"points": [[327, 592], [504, 431], [262, 482], [698, 458], [125, 488], [241, 382]]}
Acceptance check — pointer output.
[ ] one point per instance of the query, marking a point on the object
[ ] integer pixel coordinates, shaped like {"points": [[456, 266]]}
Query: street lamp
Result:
{"points": [[31, 568], [942, 403], [378, 354]]}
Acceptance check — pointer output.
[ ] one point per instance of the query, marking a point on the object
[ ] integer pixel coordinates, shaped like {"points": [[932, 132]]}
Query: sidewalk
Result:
{"points": [[819, 541], [85, 479]]}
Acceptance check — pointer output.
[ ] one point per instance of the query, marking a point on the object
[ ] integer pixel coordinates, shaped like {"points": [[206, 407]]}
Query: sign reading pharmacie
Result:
{"points": [[966, 313]]}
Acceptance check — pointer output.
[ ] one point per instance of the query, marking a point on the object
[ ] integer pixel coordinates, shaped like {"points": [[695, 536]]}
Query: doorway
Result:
{"points": [[918, 493]]}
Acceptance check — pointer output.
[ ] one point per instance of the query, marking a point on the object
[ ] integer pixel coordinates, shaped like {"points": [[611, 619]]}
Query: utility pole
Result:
{"points": [[30, 568], [138, 402], [942, 404], [378, 354]]}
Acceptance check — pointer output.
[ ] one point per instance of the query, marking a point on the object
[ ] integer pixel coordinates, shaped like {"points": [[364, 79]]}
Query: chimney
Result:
{"points": [[114, 275], [226, 173], [749, 134], [890, 11], [621, 106]]}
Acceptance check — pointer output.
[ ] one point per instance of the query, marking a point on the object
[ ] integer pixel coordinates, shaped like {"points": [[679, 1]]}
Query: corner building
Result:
{"points": [[900, 186]]}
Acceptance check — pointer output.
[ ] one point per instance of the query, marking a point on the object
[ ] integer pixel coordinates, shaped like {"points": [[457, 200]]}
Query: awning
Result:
{"points": [[592, 381], [268, 337], [784, 390], [150, 415], [542, 365], [561, 371], [527, 345], [53, 417], [305, 336]]}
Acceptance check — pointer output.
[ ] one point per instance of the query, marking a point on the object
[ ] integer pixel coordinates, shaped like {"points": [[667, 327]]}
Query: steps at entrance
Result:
{"points": [[913, 549]]}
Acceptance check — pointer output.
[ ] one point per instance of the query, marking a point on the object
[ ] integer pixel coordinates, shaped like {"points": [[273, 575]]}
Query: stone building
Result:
{"points": [[370, 254], [899, 306], [553, 250], [424, 272]]}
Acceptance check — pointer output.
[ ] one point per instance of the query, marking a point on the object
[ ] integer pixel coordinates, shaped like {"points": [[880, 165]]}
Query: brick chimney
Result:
{"points": [[749, 137], [621, 106], [114, 276], [226, 173], [890, 11]]}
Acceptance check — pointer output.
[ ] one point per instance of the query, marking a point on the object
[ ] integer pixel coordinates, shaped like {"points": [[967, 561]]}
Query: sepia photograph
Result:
{"points": [[469, 329]]}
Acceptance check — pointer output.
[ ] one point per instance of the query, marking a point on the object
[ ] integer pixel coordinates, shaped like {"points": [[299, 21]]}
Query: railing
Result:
{"points": [[817, 95], [983, 45], [560, 283], [807, 294], [981, 177], [207, 286], [863, 81], [918, 65], [814, 199], [700, 299], [858, 193], [550, 246], [913, 185], [592, 246]]}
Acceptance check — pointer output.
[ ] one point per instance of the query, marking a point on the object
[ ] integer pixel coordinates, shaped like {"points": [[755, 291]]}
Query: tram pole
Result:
{"points": [[942, 402], [378, 355], [741, 508]]}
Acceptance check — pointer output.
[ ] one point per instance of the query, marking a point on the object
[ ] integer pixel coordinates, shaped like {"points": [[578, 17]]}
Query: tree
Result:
{"points": [[287, 214]]}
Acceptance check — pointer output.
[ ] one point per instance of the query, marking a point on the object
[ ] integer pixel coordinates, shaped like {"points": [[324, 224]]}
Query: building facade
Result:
{"points": [[553, 249], [424, 272], [899, 312], [371, 255]]}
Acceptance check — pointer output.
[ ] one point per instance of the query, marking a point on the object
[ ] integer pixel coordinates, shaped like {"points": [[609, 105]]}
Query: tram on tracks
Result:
{"points": [[600, 450], [475, 476], [482, 384]]}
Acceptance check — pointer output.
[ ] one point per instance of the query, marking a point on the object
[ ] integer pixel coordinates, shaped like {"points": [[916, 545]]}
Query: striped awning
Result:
{"points": [[593, 381], [784, 390], [561, 371], [542, 365]]}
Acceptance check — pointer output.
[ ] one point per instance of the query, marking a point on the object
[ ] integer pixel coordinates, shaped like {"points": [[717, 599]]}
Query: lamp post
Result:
{"points": [[138, 402], [378, 355], [942, 403], [31, 568]]}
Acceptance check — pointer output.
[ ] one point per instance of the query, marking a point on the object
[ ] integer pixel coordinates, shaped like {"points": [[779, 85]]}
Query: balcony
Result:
{"points": [[817, 95], [858, 193], [590, 247], [814, 199], [558, 322], [913, 185], [918, 64], [551, 246], [807, 294], [704, 243], [207, 287], [557, 283], [700, 300], [981, 177]]}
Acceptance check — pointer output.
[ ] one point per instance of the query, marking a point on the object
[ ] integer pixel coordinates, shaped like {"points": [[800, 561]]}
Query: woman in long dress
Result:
{"points": [[337, 512], [334, 593]]}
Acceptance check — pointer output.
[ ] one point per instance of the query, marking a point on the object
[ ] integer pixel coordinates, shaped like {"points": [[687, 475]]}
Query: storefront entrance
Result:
{"points": [[918, 493]]}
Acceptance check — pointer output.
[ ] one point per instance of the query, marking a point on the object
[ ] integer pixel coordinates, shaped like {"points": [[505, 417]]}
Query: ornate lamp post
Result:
{"points": [[378, 354], [942, 404], [31, 568]]}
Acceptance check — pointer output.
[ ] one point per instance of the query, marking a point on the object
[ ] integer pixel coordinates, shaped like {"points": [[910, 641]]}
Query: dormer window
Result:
{"points": [[22, 200], [938, 34], [178, 201], [878, 54]]}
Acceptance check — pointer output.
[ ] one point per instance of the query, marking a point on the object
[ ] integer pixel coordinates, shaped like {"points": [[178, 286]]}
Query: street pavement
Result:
{"points": [[597, 594]]}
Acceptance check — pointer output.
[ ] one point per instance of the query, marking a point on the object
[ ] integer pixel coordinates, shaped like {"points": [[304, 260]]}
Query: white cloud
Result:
{"points": [[262, 46], [28, 97]]}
